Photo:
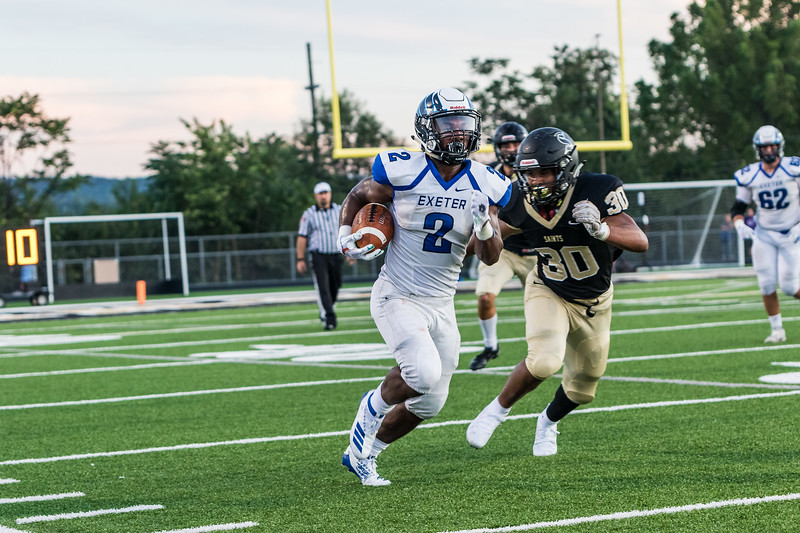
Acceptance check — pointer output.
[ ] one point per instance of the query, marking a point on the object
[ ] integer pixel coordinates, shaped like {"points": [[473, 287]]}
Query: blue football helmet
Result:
{"points": [[447, 126], [765, 136]]}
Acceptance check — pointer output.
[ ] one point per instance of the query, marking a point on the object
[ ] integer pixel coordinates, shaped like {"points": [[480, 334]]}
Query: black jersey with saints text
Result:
{"points": [[517, 244], [514, 243], [572, 263]]}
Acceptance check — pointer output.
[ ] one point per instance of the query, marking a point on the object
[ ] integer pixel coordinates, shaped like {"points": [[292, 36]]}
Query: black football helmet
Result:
{"points": [[443, 119], [765, 136], [547, 148], [508, 132]]}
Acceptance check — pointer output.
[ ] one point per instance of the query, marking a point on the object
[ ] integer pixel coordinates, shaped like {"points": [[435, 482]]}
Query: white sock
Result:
{"points": [[378, 446], [489, 330], [499, 409], [776, 321], [377, 402], [546, 418]]}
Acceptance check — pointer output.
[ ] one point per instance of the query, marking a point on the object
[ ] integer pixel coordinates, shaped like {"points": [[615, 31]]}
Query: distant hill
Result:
{"points": [[96, 191]]}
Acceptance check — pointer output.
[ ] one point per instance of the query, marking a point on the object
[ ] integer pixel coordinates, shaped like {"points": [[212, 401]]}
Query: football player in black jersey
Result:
{"points": [[576, 223]]}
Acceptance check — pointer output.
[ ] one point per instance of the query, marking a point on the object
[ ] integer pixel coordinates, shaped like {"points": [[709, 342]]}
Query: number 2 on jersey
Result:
{"points": [[435, 242]]}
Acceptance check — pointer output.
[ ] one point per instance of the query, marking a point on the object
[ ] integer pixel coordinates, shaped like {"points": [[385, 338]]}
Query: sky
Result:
{"points": [[127, 73]]}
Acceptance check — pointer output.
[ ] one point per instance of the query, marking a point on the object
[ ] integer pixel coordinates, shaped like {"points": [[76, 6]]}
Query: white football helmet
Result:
{"points": [[447, 126], [765, 136]]}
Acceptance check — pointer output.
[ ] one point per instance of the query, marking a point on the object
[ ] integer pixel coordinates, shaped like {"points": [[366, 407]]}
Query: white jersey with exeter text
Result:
{"points": [[776, 195], [432, 218]]}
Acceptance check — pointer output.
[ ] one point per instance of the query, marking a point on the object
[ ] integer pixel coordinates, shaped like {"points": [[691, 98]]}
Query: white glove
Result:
{"points": [[587, 214], [480, 216], [347, 242], [745, 232]]}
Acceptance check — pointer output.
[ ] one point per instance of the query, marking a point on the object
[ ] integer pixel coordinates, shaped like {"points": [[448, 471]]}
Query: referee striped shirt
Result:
{"points": [[321, 228]]}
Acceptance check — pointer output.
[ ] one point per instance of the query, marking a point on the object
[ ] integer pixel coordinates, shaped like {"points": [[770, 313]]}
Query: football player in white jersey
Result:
{"points": [[772, 186], [576, 223], [439, 199]]}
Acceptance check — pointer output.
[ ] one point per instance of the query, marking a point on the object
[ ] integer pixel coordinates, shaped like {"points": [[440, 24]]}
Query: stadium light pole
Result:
{"points": [[601, 127], [311, 88]]}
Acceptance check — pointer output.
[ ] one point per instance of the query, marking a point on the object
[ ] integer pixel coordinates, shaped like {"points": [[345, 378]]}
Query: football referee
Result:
{"points": [[318, 233]]}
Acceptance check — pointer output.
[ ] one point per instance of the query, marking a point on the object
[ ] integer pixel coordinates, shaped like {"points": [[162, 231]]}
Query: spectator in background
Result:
{"points": [[319, 234], [27, 275], [726, 239]]}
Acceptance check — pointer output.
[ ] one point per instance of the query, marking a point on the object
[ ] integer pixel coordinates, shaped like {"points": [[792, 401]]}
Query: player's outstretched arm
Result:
{"points": [[488, 250], [626, 234], [505, 232]]}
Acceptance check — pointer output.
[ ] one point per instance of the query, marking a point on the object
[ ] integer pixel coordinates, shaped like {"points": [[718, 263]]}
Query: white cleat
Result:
{"points": [[777, 335], [480, 430], [365, 428], [365, 469], [544, 443]]}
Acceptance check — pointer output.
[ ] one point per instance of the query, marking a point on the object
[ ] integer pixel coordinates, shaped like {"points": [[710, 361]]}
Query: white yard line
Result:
{"points": [[698, 383], [706, 352], [251, 388], [261, 440], [185, 393], [106, 369], [216, 527], [4, 529], [87, 514], [635, 514], [8, 481], [42, 497]]}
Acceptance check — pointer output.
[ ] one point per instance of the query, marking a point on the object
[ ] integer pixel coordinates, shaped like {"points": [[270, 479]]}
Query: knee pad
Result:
{"points": [[426, 406], [790, 286], [767, 287], [580, 389], [424, 376], [542, 366], [581, 397]]}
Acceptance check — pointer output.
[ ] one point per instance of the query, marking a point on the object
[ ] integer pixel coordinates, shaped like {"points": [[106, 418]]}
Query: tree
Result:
{"points": [[227, 184], [29, 138], [359, 128], [564, 95], [732, 66]]}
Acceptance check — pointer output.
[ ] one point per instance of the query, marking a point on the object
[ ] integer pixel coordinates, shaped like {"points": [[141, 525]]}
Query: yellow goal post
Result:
{"points": [[624, 143]]}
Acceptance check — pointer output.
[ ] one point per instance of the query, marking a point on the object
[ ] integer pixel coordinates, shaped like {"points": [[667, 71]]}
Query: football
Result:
{"points": [[376, 224]]}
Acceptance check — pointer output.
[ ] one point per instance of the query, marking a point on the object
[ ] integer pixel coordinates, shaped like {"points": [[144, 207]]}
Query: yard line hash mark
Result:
{"points": [[217, 527], [42, 497], [86, 514]]}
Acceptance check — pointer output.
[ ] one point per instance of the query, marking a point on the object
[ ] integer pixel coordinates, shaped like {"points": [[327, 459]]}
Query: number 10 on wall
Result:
{"points": [[22, 247]]}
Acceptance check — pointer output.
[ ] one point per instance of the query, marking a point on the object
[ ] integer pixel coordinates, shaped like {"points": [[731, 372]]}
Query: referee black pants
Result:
{"points": [[327, 280]]}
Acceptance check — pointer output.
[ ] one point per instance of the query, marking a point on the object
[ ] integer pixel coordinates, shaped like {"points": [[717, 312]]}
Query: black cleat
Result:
{"points": [[330, 321], [482, 358]]}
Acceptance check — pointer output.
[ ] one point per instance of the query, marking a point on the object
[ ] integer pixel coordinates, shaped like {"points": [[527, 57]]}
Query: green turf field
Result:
{"points": [[237, 419]]}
